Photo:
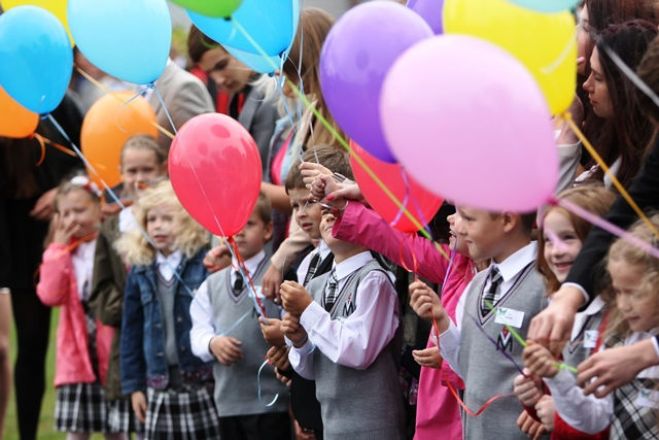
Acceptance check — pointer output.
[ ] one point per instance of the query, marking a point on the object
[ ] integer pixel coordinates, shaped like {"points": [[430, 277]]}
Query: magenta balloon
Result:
{"points": [[431, 11], [356, 56], [469, 122]]}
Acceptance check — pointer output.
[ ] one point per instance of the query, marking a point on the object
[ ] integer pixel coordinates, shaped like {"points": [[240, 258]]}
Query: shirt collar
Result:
{"points": [[323, 250], [514, 264], [86, 249], [251, 263], [172, 260], [346, 267]]}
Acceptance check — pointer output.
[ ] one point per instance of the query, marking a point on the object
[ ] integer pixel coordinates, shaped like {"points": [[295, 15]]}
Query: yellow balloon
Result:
{"points": [[55, 7], [544, 43]]}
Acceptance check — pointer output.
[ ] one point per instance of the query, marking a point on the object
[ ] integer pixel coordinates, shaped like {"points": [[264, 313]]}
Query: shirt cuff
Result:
{"points": [[312, 315], [585, 295], [305, 350], [207, 355]]}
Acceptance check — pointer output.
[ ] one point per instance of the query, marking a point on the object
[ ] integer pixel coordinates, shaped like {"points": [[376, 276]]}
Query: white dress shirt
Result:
{"points": [[127, 220], [357, 340], [167, 264], [303, 268], [83, 267], [201, 311], [509, 268]]}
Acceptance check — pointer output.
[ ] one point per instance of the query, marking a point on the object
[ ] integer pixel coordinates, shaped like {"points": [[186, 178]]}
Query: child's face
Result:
{"points": [[637, 304], [139, 168], [253, 236], [227, 72], [562, 245], [455, 242], [161, 227], [78, 208], [307, 211], [482, 233]]}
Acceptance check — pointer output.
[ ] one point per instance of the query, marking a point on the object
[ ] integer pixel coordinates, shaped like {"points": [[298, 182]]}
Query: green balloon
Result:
{"points": [[210, 8]]}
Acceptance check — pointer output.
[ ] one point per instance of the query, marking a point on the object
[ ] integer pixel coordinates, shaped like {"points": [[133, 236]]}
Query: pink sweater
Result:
{"points": [[438, 414], [57, 287]]}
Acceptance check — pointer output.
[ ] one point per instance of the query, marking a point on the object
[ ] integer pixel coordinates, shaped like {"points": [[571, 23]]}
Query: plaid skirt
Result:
{"points": [[181, 415], [121, 417], [82, 407]]}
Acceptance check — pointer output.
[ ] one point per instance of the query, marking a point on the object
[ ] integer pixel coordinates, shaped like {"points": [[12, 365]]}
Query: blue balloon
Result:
{"points": [[546, 6], [257, 63], [36, 58], [128, 39], [271, 23]]}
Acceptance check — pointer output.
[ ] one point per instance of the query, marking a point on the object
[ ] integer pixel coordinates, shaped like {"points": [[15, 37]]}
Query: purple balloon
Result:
{"points": [[356, 56], [431, 11]]}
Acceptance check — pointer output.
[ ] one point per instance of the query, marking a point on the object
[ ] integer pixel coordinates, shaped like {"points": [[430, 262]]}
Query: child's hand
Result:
{"points": [[545, 410], [427, 305], [271, 281], [311, 171], [63, 232], [527, 391], [278, 357], [272, 333], [295, 297], [226, 349], [293, 330], [301, 434], [428, 357], [217, 258], [539, 360], [138, 402], [283, 379], [529, 426]]}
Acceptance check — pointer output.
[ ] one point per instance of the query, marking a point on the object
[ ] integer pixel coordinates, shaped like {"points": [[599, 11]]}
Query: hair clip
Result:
{"points": [[85, 183]]}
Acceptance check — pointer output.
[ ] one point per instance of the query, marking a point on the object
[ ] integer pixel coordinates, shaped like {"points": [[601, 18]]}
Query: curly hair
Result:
{"points": [[134, 247]]}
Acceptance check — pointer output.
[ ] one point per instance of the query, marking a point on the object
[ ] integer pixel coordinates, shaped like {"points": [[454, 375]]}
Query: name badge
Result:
{"points": [[511, 317], [648, 398], [590, 338]]}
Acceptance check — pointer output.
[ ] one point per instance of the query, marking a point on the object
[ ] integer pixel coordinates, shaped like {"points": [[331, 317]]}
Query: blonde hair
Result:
{"points": [[190, 236], [623, 250]]}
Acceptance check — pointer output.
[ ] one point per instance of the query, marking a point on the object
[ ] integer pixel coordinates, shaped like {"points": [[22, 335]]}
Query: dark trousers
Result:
{"points": [[273, 426], [32, 320]]}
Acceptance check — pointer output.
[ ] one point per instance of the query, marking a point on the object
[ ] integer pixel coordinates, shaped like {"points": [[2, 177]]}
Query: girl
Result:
{"points": [[561, 237], [631, 409], [171, 390], [83, 342]]}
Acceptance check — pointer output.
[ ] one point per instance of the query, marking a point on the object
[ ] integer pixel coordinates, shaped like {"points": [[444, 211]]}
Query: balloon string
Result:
{"points": [[567, 117], [406, 199], [482, 409], [258, 386], [319, 116], [164, 107]]}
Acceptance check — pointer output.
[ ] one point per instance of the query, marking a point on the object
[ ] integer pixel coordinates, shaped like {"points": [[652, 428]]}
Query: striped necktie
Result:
{"points": [[313, 267], [330, 291], [489, 299]]}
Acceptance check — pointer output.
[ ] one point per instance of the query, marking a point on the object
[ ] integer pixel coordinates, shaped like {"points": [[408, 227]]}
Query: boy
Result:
{"points": [[502, 298], [344, 332], [221, 301]]}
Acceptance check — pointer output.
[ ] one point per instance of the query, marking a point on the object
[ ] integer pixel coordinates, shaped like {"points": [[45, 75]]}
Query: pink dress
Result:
{"points": [[438, 413]]}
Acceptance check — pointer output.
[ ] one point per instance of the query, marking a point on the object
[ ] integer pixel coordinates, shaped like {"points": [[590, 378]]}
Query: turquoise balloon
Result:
{"points": [[128, 39], [257, 63], [36, 59], [546, 6], [271, 23]]}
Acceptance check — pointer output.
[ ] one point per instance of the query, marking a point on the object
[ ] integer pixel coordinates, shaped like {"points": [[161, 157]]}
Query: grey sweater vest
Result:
{"points": [[358, 404], [236, 391], [486, 371], [575, 352], [166, 292]]}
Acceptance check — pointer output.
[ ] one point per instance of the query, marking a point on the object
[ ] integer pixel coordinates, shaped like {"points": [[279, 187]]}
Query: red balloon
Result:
{"points": [[215, 169], [422, 204]]}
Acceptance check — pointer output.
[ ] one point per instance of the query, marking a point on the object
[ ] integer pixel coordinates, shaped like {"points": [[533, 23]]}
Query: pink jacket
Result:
{"points": [[57, 287], [438, 414]]}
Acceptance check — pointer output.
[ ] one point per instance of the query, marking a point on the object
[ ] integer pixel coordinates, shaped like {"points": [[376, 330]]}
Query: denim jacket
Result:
{"points": [[142, 351]]}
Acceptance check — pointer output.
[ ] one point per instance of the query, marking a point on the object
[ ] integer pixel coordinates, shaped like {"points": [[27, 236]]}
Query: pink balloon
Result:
{"points": [[215, 169], [420, 202], [468, 121]]}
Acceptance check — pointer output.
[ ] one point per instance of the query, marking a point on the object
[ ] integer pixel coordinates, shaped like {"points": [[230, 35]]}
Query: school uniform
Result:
{"points": [[352, 351]]}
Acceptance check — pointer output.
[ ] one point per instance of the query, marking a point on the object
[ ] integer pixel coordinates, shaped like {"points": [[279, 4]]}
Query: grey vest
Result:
{"points": [[486, 371], [574, 352], [166, 293], [358, 404], [236, 391]]}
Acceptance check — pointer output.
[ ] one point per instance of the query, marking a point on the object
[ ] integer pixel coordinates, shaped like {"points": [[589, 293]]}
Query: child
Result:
{"points": [[155, 352], [344, 330], [498, 300], [561, 237], [83, 343], [225, 327], [631, 409]]}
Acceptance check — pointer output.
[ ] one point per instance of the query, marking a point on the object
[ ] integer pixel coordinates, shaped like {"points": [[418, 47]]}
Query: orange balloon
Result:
{"points": [[109, 123], [16, 121]]}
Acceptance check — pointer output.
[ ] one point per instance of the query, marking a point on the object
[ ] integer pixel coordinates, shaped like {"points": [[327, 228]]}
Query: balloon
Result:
{"points": [[128, 39], [215, 8], [271, 23], [430, 10], [356, 56], [546, 5], [257, 63], [55, 7], [37, 59], [544, 43], [481, 138], [109, 123], [16, 120], [422, 204], [215, 168]]}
